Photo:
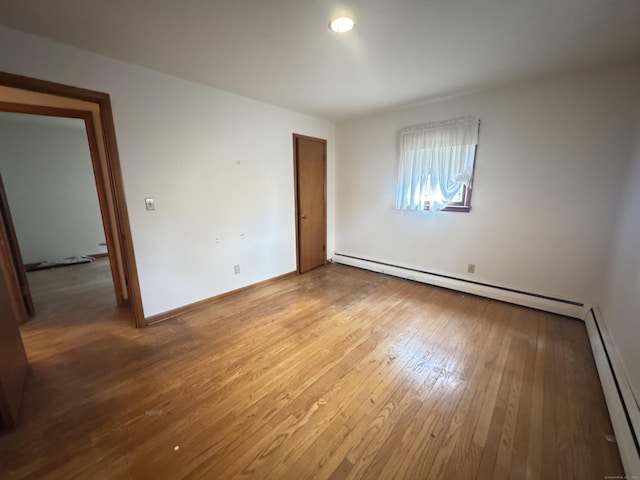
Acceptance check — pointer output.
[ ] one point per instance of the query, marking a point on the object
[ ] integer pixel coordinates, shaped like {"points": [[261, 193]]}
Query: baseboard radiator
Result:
{"points": [[621, 403], [547, 303]]}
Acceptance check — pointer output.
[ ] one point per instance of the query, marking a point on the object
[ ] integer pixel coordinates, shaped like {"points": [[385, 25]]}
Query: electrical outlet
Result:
{"points": [[236, 269], [471, 268]]}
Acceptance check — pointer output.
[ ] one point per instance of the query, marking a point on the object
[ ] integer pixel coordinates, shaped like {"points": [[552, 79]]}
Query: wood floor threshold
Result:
{"points": [[169, 314]]}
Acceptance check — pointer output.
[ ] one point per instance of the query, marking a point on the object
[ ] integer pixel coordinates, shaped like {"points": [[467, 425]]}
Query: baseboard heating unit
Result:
{"points": [[547, 303], [621, 403]]}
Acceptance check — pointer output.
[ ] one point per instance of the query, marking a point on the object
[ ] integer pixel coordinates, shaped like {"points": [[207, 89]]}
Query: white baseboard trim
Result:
{"points": [[621, 403], [532, 300]]}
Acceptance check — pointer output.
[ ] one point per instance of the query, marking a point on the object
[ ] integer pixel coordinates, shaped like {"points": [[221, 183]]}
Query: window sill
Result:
{"points": [[455, 208]]}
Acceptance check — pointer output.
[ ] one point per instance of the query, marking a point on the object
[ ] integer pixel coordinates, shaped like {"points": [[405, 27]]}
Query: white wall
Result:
{"points": [[48, 178], [180, 142], [620, 304], [550, 165]]}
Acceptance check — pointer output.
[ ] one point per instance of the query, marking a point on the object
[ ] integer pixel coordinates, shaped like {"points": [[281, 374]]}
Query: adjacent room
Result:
{"points": [[365, 239], [50, 190]]}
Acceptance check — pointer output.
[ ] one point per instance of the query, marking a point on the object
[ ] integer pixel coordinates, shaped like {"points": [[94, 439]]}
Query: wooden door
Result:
{"points": [[14, 249], [310, 160], [13, 359]]}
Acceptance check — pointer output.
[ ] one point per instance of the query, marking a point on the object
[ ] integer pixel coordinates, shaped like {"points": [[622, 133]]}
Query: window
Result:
{"points": [[436, 165]]}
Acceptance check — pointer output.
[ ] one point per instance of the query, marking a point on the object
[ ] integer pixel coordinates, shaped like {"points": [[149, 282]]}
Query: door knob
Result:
{"points": [[303, 216]]}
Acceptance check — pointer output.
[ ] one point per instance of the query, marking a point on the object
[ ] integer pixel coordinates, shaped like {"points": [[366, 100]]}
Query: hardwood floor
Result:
{"points": [[335, 374]]}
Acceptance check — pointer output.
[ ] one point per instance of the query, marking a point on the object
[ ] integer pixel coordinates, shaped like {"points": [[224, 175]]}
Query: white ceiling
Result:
{"points": [[401, 51]]}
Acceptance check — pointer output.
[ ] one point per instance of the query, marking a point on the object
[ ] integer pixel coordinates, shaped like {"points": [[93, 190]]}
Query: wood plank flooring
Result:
{"points": [[335, 374]]}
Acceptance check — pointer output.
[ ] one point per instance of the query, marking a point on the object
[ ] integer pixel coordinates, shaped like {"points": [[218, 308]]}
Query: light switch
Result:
{"points": [[150, 203]]}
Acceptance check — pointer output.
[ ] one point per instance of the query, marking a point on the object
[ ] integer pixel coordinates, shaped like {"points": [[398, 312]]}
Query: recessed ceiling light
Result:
{"points": [[341, 24]]}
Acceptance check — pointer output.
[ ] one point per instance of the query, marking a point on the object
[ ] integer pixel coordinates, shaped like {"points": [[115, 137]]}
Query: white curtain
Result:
{"points": [[436, 158]]}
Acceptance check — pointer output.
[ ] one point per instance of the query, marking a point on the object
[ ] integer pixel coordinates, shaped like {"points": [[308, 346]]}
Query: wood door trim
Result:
{"points": [[61, 112], [109, 176], [11, 276], [16, 254], [103, 200], [8, 411], [297, 136]]}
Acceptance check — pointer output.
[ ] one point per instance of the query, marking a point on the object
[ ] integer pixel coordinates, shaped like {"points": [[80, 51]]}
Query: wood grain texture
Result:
{"points": [[340, 373], [164, 316], [14, 248], [310, 168], [13, 359]]}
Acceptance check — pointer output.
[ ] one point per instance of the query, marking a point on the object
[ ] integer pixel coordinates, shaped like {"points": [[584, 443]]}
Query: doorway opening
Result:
{"points": [[36, 97], [51, 214]]}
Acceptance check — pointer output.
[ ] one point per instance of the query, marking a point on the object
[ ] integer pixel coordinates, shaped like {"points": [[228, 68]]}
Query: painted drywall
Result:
{"points": [[620, 304], [48, 177], [550, 164], [218, 166]]}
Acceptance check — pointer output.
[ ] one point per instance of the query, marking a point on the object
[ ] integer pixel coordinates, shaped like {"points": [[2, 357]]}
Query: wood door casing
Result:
{"points": [[310, 161], [14, 249], [13, 358], [29, 95]]}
